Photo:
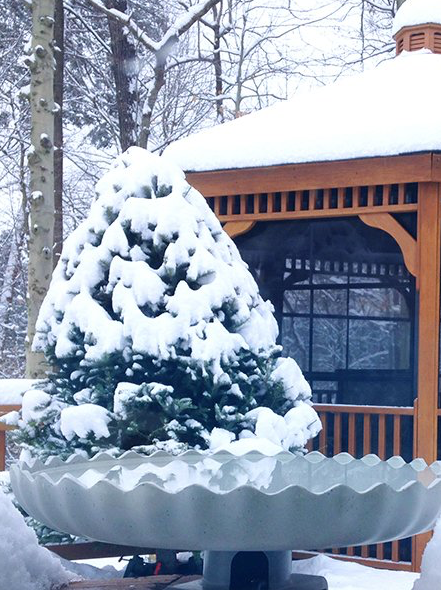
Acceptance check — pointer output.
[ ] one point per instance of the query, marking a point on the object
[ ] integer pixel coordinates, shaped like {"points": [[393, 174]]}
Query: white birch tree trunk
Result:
{"points": [[41, 164]]}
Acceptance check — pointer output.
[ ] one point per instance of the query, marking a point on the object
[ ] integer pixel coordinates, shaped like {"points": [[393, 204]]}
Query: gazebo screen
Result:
{"points": [[345, 305]]}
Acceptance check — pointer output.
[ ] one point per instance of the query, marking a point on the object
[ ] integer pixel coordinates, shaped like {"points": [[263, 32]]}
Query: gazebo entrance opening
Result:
{"points": [[345, 304]]}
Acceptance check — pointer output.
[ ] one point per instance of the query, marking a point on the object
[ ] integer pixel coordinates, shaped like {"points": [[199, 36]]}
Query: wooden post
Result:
{"points": [[428, 333]]}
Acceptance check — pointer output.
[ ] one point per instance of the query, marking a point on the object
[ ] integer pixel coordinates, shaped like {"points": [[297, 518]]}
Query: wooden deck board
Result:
{"points": [[149, 583]]}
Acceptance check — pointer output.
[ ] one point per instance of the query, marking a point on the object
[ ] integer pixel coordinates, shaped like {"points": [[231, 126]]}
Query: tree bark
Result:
{"points": [[217, 62], [147, 115], [41, 165], [400, 3], [123, 64], [58, 128]]}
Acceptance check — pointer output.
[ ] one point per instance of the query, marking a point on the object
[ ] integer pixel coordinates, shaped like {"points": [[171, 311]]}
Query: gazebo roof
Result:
{"points": [[391, 110]]}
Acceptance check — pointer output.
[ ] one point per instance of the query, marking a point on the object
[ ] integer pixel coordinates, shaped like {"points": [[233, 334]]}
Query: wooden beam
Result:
{"points": [[237, 228], [429, 211], [291, 177], [406, 242], [428, 319]]}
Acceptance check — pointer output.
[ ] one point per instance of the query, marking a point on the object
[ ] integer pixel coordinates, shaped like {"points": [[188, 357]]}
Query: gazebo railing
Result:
{"points": [[360, 430]]}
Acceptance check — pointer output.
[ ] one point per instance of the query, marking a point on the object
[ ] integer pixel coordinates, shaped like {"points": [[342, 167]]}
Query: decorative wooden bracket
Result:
{"points": [[408, 244], [237, 228]]}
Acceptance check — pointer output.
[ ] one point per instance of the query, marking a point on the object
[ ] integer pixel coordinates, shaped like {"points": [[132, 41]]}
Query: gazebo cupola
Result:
{"points": [[418, 26]]}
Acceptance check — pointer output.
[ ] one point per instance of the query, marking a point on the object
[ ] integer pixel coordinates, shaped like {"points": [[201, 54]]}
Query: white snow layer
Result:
{"points": [[11, 390], [84, 419], [24, 565], [344, 120], [34, 403], [417, 12], [133, 284], [431, 565]]}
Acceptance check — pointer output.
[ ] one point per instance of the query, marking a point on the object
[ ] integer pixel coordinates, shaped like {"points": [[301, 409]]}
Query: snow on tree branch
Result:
{"points": [[181, 25]]}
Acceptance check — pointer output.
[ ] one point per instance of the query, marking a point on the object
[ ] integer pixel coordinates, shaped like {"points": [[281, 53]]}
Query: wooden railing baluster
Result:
{"points": [[243, 204], [337, 434], [256, 203], [270, 205], [382, 436], [351, 435], [397, 435], [284, 202], [366, 434], [323, 436]]}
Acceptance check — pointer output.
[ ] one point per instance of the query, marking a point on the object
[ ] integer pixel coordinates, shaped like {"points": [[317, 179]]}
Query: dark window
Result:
{"points": [[345, 304]]}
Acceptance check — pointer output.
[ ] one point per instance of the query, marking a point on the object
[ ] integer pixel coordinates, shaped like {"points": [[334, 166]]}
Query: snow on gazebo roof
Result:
{"points": [[417, 12], [390, 110]]}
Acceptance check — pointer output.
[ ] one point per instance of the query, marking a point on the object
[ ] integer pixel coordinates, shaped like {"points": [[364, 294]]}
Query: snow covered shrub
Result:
{"points": [[156, 330]]}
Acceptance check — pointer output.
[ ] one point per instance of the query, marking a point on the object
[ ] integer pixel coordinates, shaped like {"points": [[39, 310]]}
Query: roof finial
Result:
{"points": [[417, 25]]}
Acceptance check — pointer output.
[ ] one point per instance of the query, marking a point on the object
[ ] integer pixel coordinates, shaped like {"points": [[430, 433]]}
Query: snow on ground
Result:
{"points": [[417, 12], [340, 121], [23, 564], [431, 566], [12, 390], [95, 569], [342, 575]]}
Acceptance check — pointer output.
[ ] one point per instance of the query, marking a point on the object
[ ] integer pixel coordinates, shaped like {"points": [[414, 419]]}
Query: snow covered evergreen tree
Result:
{"points": [[156, 331]]}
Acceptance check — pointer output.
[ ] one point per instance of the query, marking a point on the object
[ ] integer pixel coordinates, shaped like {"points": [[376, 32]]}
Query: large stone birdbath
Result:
{"points": [[247, 512]]}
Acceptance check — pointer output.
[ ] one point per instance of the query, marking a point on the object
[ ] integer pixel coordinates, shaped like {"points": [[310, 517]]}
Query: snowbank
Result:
{"points": [[417, 12], [341, 121], [24, 565], [431, 565]]}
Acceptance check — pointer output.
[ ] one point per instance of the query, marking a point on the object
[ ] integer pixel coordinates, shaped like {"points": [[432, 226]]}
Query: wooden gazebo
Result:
{"points": [[335, 196]]}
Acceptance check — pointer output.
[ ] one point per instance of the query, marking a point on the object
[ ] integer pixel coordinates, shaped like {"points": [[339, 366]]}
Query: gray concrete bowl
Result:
{"points": [[223, 502]]}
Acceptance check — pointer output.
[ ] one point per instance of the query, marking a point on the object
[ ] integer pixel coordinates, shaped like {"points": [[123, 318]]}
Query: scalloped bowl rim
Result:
{"points": [[36, 469]]}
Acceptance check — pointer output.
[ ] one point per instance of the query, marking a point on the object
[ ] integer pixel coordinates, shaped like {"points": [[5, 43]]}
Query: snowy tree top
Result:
{"points": [[146, 197], [417, 12], [344, 120]]}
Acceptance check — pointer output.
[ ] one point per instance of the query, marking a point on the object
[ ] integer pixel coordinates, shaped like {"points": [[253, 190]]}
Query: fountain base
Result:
{"points": [[252, 570]]}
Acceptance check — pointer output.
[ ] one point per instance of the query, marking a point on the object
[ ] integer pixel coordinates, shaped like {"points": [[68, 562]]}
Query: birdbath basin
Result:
{"points": [[247, 512]]}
